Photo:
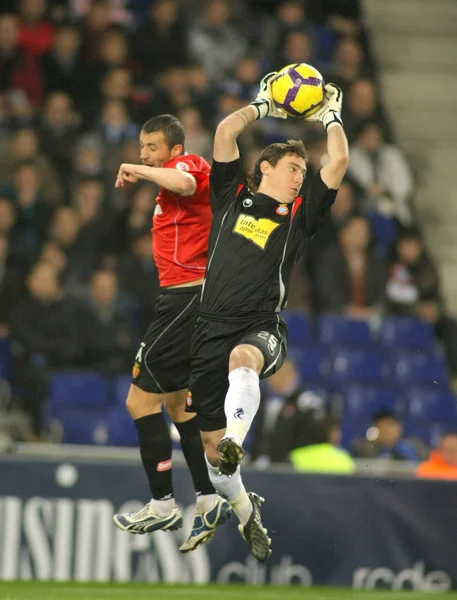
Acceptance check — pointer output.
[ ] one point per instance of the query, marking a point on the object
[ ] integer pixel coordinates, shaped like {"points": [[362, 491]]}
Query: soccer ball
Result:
{"points": [[298, 89]]}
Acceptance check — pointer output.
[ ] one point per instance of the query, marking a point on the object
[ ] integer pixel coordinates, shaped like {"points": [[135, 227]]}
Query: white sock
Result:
{"points": [[241, 403], [163, 507], [233, 490], [205, 502]]}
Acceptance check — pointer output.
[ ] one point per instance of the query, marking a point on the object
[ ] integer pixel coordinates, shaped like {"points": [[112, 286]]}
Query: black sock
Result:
{"points": [[155, 450], [192, 448]]}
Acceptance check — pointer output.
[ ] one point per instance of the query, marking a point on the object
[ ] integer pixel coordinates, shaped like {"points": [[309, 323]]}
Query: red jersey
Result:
{"points": [[180, 226]]}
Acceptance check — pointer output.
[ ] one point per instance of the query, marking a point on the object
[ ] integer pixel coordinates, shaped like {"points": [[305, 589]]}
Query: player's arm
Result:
{"points": [[228, 130], [178, 182], [337, 145]]}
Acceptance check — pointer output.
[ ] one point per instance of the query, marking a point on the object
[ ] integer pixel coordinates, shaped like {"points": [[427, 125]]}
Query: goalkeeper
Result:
{"points": [[256, 235]]}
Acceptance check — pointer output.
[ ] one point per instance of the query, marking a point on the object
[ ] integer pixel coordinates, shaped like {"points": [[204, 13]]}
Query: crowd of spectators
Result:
{"points": [[77, 80]]}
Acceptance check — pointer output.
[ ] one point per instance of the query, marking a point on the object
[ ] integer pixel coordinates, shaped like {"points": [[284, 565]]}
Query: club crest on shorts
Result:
{"points": [[136, 369], [189, 399], [282, 210]]}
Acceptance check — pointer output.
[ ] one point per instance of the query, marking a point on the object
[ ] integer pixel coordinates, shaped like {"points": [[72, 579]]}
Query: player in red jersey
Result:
{"points": [[180, 231]]}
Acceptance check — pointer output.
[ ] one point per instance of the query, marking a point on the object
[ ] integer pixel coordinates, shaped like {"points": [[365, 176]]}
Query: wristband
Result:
{"points": [[262, 107], [331, 117]]}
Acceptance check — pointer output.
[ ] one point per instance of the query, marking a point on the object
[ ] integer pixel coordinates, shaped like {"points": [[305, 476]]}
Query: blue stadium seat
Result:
{"points": [[431, 404], [430, 433], [83, 427], [351, 429], [363, 401], [121, 429], [384, 232], [336, 329], [357, 365], [121, 385], [299, 327], [407, 332], [419, 368], [5, 359], [314, 363], [78, 390]]}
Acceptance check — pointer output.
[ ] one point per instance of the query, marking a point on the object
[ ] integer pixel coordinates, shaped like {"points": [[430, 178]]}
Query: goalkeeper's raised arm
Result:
{"points": [[337, 145], [228, 130]]}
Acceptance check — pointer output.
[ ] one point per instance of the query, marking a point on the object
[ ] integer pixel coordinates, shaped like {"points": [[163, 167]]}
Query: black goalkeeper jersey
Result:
{"points": [[255, 241]]}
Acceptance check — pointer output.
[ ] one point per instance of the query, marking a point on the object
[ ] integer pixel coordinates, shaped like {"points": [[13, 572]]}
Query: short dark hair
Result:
{"points": [[170, 126], [273, 154], [384, 413]]}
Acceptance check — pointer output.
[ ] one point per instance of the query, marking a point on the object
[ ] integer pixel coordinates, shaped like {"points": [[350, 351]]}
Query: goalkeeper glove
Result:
{"points": [[264, 103], [330, 111]]}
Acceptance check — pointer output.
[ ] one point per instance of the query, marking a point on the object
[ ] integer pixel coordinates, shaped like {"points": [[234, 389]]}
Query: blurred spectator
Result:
{"points": [[23, 147], [18, 70], [413, 289], [349, 63], [96, 234], [58, 131], [63, 65], [286, 416], [162, 41], [297, 47], [215, 42], [138, 275], [137, 216], [112, 53], [10, 284], [33, 208], [361, 104], [442, 463], [46, 329], [115, 124], [36, 31], [245, 80], [107, 325], [385, 440], [65, 230], [344, 18], [344, 207], [199, 140], [96, 21], [289, 17], [350, 279], [320, 452], [383, 174]]}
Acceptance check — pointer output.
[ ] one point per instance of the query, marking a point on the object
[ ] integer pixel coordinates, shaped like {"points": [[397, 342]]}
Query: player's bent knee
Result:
{"points": [[141, 404], [246, 355], [175, 405]]}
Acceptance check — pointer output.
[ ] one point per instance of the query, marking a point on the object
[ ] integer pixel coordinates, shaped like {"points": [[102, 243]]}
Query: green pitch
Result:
{"points": [[120, 591]]}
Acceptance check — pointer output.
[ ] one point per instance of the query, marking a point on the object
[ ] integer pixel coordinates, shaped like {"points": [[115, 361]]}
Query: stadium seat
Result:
{"points": [[336, 329], [121, 385], [430, 405], [363, 401], [78, 390], [384, 232], [83, 427], [406, 332], [314, 363], [419, 368], [429, 433], [351, 429], [299, 326], [357, 365], [5, 359], [120, 428]]}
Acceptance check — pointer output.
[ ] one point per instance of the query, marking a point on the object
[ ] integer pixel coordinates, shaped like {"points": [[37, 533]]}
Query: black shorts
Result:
{"points": [[212, 344], [162, 363]]}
